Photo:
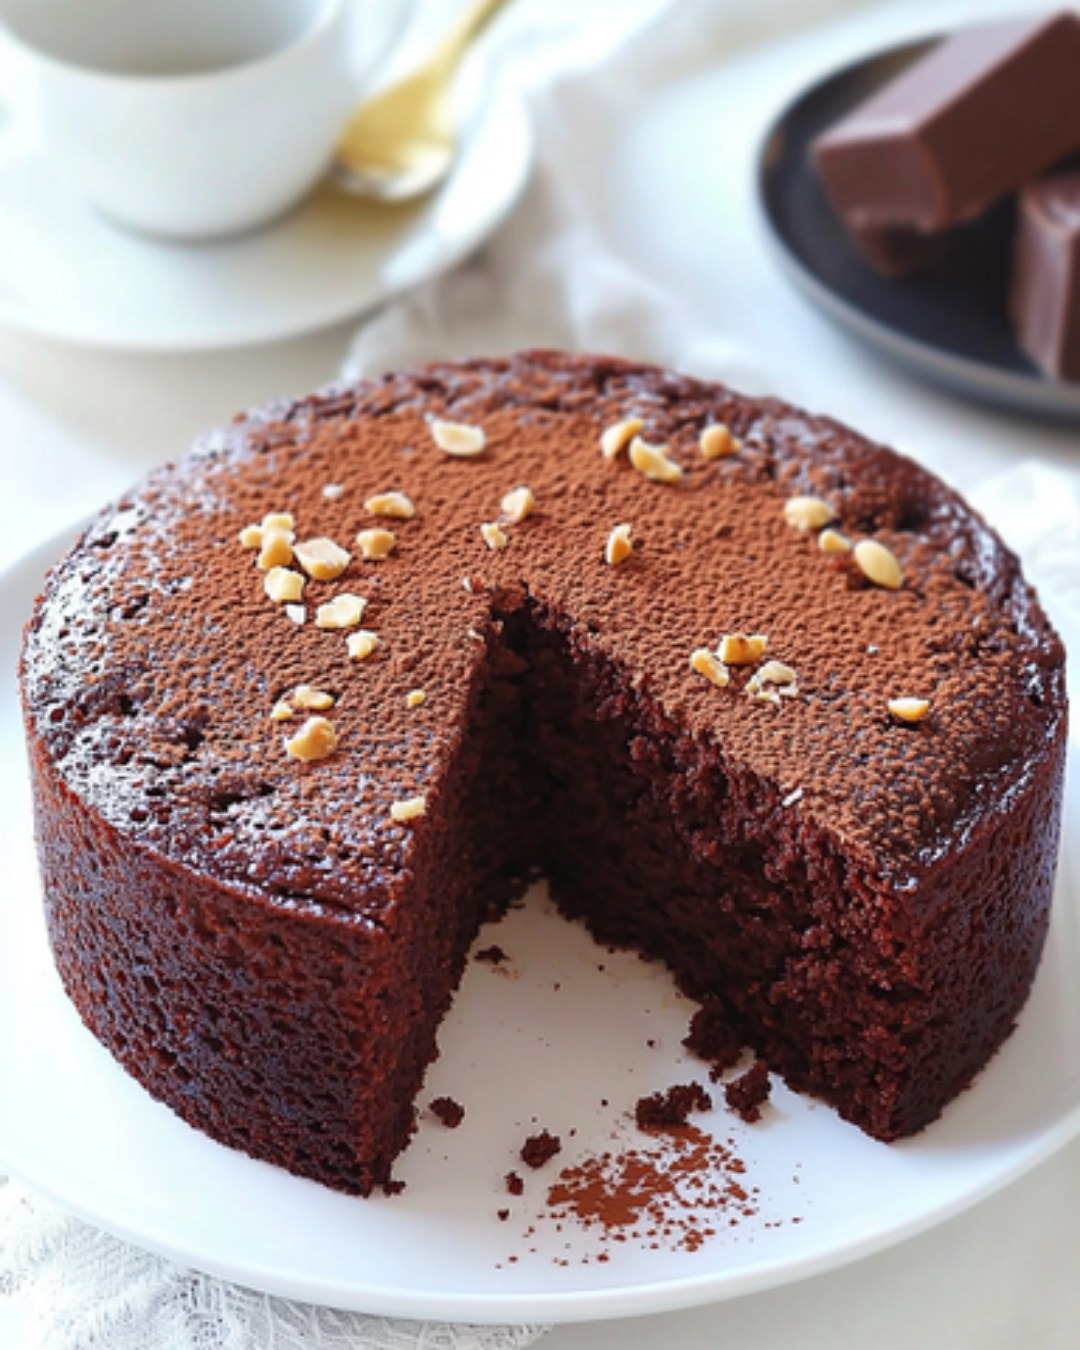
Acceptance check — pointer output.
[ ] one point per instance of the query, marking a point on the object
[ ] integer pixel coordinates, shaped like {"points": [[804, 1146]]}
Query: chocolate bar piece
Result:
{"points": [[983, 113], [1044, 300], [896, 252]]}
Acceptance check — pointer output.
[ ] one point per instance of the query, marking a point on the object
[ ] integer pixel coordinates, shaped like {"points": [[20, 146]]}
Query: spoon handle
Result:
{"points": [[453, 46]]}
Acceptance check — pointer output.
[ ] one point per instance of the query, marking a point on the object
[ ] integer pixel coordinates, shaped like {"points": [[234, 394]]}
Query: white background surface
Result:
{"points": [[673, 196]]}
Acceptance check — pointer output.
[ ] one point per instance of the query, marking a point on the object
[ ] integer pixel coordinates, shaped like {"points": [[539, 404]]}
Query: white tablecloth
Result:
{"points": [[639, 235]]}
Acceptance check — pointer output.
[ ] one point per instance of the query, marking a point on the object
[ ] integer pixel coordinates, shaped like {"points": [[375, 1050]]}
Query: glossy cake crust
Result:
{"points": [[262, 945]]}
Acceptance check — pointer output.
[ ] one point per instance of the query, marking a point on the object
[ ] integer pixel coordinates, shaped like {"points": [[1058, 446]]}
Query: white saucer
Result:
{"points": [[67, 273]]}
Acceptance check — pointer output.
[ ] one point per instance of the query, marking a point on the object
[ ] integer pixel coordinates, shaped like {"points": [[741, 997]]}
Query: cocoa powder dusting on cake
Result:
{"points": [[666, 1110], [748, 1093], [540, 1148], [450, 1112]]}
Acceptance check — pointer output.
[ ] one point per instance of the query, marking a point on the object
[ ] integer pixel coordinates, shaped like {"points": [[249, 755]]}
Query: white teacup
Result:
{"points": [[196, 118]]}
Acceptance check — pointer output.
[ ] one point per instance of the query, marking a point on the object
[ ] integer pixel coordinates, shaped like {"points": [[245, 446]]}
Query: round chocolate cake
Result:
{"points": [[759, 698]]}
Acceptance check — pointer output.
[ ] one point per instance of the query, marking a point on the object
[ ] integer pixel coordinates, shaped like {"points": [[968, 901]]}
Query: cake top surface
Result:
{"points": [[155, 659]]}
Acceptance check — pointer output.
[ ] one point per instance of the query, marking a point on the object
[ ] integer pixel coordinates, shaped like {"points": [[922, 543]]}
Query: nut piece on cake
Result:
{"points": [[717, 442], [321, 559], [878, 564], [517, 505], [615, 438], [396, 505], [653, 463], [808, 513], [493, 535], [457, 439], [360, 645], [374, 545], [314, 700], [832, 541], [771, 681], [707, 663], [283, 586], [742, 649], [344, 611], [619, 546], [909, 709], [412, 808], [315, 740]]}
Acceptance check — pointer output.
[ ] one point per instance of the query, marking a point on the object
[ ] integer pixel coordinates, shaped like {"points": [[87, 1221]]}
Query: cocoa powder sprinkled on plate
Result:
{"points": [[675, 1193]]}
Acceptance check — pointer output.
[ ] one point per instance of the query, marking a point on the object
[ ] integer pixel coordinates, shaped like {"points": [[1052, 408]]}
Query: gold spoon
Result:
{"points": [[402, 142]]}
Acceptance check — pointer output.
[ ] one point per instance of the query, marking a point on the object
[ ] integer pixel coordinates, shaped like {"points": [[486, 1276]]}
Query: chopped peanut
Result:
{"points": [[315, 700], [808, 513], [374, 545], [909, 709], [652, 462], [742, 649], [394, 504], [315, 740], [458, 439], [832, 541], [283, 586], [619, 546], [878, 564], [360, 645], [775, 672], [707, 663], [344, 611], [717, 442], [321, 558], [615, 438], [276, 550], [493, 536], [279, 520], [517, 505], [409, 809], [771, 681]]}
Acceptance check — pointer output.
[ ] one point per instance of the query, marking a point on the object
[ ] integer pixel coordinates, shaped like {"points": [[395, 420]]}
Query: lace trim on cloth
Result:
{"points": [[80, 1289]]}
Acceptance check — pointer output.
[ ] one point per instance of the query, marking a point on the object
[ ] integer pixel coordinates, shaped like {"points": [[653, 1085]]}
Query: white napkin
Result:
{"points": [[549, 278]]}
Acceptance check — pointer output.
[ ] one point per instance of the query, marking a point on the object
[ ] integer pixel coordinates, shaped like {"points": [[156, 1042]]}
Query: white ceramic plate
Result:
{"points": [[543, 1041], [67, 273]]}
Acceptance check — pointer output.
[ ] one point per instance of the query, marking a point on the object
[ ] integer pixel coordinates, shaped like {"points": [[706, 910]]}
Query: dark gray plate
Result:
{"points": [[949, 323]]}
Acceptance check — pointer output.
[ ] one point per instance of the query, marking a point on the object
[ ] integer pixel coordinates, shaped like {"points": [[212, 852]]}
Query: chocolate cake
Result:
{"points": [[760, 698]]}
